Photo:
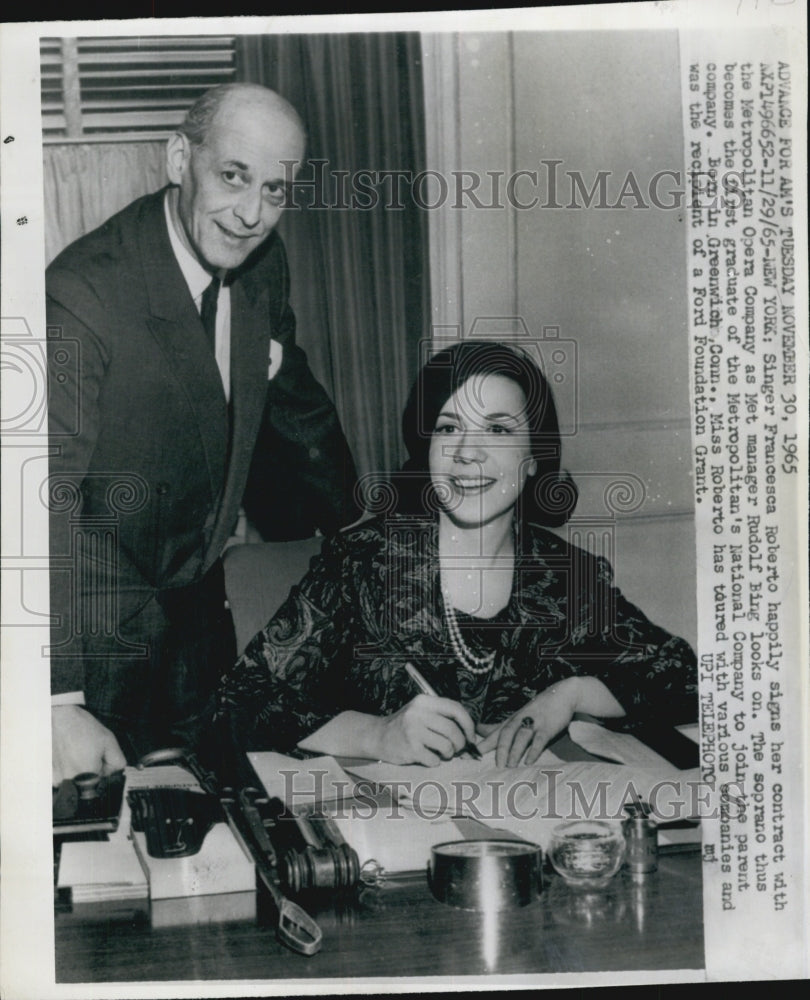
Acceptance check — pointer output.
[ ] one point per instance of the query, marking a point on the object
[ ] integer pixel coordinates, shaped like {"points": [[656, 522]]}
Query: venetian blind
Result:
{"points": [[103, 89]]}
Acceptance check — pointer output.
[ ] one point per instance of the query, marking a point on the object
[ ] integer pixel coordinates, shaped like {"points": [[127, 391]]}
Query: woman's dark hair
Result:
{"points": [[550, 496]]}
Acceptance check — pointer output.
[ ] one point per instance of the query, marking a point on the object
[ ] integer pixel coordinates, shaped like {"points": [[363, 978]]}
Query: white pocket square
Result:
{"points": [[274, 361]]}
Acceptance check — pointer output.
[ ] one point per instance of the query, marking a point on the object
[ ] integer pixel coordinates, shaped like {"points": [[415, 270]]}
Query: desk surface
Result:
{"points": [[400, 930]]}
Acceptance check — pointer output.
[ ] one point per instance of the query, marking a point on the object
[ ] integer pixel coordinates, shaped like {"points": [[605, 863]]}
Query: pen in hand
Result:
{"points": [[425, 688]]}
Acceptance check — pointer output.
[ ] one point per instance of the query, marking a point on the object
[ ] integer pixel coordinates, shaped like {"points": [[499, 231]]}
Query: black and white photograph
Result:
{"points": [[404, 501]]}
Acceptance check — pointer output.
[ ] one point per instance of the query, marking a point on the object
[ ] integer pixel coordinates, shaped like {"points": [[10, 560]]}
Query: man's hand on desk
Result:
{"points": [[81, 743]]}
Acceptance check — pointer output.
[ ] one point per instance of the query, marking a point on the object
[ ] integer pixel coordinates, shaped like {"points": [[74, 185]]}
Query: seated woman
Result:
{"points": [[513, 628]]}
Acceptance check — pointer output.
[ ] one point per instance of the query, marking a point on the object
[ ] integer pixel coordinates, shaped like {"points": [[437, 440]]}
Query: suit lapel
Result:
{"points": [[176, 326]]}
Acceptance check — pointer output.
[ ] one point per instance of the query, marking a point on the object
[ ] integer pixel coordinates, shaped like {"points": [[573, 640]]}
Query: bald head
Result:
{"points": [[225, 99]]}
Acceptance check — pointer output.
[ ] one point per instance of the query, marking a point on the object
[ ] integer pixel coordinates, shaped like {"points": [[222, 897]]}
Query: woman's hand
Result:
{"points": [[518, 741], [549, 712], [426, 731]]}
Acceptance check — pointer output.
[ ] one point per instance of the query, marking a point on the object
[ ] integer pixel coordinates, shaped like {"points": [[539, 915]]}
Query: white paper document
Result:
{"points": [[621, 747], [294, 781]]}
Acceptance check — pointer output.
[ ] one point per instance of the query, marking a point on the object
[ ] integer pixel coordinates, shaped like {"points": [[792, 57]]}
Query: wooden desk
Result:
{"points": [[400, 930]]}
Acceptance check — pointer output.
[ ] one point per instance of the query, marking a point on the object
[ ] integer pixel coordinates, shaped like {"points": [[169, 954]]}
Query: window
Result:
{"points": [[103, 89]]}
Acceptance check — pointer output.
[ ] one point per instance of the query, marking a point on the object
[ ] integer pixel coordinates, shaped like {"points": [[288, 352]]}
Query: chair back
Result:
{"points": [[258, 578]]}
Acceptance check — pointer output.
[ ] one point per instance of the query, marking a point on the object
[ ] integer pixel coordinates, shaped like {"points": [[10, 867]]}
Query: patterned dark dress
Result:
{"points": [[372, 602]]}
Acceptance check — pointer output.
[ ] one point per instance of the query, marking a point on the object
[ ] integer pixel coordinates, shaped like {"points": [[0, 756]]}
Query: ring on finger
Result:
{"points": [[527, 722]]}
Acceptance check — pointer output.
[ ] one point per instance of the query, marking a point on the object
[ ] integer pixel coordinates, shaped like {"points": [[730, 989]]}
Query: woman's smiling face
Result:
{"points": [[480, 450]]}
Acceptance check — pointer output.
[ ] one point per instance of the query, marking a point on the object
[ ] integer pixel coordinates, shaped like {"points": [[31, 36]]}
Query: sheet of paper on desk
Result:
{"points": [[529, 801], [621, 747], [536, 800], [317, 779], [408, 777]]}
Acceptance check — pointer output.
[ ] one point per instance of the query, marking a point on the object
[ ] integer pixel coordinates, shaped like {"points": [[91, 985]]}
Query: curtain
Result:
{"points": [[360, 275], [86, 183]]}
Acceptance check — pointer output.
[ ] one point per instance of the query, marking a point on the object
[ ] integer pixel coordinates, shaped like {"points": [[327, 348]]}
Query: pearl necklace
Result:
{"points": [[475, 664]]}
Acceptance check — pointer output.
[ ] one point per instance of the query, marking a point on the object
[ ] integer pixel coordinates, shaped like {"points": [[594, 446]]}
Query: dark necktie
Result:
{"points": [[208, 312]]}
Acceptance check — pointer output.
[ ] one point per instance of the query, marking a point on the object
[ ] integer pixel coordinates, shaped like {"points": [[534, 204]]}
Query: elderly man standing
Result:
{"points": [[176, 394]]}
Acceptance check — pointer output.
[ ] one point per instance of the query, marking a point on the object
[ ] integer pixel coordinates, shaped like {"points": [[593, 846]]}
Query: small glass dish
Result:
{"points": [[587, 853]]}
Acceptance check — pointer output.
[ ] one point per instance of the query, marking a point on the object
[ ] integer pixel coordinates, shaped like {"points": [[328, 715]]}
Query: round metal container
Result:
{"points": [[486, 874]]}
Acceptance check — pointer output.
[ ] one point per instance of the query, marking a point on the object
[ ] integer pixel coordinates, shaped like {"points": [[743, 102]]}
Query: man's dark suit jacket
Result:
{"points": [[149, 466]]}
